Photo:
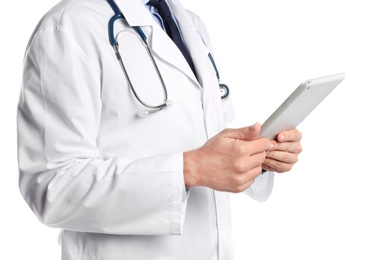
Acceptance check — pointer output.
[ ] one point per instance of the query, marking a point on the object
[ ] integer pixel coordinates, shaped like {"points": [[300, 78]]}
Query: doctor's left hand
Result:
{"points": [[283, 152]]}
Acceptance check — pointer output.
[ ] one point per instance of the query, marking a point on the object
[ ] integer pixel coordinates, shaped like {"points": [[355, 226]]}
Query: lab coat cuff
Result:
{"points": [[261, 189], [186, 194], [179, 204]]}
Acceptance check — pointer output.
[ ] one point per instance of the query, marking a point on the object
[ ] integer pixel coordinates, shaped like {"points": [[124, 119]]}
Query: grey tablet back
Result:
{"points": [[302, 101]]}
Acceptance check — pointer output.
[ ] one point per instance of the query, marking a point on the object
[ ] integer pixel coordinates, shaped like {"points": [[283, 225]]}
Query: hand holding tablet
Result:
{"points": [[305, 98]]}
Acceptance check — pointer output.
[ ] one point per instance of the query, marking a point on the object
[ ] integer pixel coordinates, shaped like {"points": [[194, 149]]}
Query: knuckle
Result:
{"points": [[237, 179], [285, 167], [266, 142], [240, 188], [240, 149], [278, 165], [239, 166], [263, 157], [299, 135], [236, 190], [235, 187], [263, 143], [226, 130]]}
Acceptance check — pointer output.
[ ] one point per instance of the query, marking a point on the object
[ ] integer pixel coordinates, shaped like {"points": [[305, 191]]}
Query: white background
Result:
{"points": [[335, 203]]}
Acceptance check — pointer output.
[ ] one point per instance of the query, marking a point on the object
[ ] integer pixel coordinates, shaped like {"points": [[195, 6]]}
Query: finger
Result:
{"points": [[284, 157], [255, 161], [244, 133], [242, 187], [248, 164], [276, 166], [268, 168], [257, 146], [244, 180], [252, 174], [292, 135], [246, 185], [291, 147]]}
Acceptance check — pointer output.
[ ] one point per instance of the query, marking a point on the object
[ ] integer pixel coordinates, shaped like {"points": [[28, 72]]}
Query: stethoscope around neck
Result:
{"points": [[224, 89]]}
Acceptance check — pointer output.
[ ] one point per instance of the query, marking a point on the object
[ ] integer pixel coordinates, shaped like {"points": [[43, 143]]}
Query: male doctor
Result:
{"points": [[121, 187]]}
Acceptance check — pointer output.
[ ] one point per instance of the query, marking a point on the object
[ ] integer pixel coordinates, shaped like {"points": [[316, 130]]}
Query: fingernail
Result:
{"points": [[281, 137], [271, 146]]}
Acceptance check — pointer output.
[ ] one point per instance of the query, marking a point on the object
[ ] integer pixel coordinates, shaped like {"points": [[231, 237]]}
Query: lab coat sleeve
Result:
{"points": [[62, 176], [261, 189]]}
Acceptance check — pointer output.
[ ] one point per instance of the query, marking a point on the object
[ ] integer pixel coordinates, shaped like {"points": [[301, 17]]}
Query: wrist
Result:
{"points": [[190, 171]]}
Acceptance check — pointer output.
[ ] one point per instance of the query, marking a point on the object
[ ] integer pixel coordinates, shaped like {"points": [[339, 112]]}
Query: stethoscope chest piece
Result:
{"points": [[224, 91]]}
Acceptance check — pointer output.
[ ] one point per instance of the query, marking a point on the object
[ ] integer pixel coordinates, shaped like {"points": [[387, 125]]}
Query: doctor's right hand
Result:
{"points": [[230, 161]]}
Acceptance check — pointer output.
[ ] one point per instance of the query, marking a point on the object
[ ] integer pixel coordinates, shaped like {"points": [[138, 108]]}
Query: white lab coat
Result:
{"points": [[111, 181]]}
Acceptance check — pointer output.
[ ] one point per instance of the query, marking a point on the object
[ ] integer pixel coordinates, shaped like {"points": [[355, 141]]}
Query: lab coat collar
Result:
{"points": [[204, 68], [195, 45], [137, 15]]}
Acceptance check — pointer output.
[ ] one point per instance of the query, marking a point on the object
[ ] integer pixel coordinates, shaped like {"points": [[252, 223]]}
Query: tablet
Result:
{"points": [[302, 101]]}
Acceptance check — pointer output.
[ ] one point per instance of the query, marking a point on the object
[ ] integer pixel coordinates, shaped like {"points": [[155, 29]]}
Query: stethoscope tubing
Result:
{"points": [[114, 43], [165, 92]]}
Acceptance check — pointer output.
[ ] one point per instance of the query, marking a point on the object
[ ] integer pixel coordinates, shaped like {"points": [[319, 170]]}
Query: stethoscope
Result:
{"points": [[224, 89]]}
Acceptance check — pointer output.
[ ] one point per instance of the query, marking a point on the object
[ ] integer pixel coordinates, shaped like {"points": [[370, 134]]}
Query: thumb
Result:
{"points": [[245, 133]]}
